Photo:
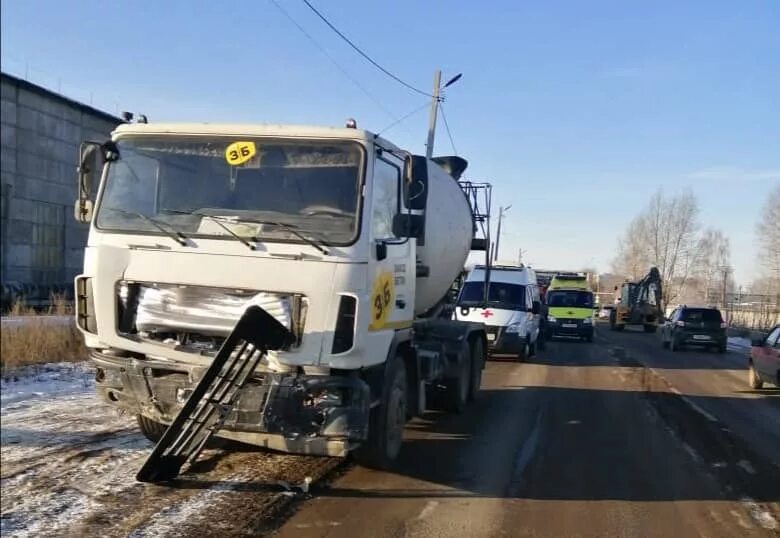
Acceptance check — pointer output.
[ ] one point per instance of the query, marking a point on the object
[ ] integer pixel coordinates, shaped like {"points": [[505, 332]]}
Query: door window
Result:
{"points": [[387, 179], [774, 338]]}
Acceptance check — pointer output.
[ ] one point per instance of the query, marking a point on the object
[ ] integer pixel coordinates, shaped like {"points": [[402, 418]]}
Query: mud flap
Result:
{"points": [[213, 397]]}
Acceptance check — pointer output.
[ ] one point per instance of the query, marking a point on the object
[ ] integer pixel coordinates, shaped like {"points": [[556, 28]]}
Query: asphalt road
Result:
{"points": [[614, 438]]}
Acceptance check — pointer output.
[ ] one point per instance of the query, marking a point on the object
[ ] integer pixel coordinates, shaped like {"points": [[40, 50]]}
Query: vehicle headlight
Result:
{"points": [[588, 321], [551, 319], [513, 328]]}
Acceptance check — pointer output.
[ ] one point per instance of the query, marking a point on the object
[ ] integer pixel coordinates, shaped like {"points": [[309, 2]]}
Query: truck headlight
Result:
{"points": [[588, 321], [551, 319], [513, 328]]}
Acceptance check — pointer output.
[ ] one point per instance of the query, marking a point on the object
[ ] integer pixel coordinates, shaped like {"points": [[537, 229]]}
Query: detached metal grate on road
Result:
{"points": [[214, 396]]}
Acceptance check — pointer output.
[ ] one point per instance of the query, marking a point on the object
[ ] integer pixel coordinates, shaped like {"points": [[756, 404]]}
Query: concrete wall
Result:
{"points": [[41, 132]]}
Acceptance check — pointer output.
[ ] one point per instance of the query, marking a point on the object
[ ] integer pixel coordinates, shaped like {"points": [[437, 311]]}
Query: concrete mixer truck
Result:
{"points": [[276, 285]]}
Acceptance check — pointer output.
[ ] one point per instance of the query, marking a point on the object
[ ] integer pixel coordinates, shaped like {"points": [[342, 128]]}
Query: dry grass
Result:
{"points": [[40, 338]]}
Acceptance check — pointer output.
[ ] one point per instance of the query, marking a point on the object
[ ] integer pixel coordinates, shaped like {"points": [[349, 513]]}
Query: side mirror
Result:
{"points": [[536, 307], [415, 182], [83, 210], [90, 164]]}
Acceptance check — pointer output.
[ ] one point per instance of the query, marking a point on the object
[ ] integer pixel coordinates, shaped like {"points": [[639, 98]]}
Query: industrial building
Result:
{"points": [[42, 244]]}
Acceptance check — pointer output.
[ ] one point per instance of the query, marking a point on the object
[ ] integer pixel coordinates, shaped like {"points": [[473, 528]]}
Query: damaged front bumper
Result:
{"points": [[305, 414]]}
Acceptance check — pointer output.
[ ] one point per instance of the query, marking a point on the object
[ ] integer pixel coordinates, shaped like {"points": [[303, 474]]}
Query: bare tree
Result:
{"points": [[663, 235], [633, 258], [768, 235], [714, 264]]}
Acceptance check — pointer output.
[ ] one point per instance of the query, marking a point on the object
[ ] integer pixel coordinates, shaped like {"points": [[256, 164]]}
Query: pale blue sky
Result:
{"points": [[576, 111]]}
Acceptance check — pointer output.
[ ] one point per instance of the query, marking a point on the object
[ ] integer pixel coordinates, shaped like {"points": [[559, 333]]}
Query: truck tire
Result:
{"points": [[477, 363], [386, 421], [153, 430], [525, 351], [541, 340], [649, 328], [458, 388]]}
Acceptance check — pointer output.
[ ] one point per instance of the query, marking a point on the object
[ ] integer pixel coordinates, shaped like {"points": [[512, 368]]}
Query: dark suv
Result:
{"points": [[697, 326]]}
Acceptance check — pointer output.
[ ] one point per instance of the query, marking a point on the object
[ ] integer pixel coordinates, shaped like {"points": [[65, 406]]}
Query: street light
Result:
{"points": [[501, 211]]}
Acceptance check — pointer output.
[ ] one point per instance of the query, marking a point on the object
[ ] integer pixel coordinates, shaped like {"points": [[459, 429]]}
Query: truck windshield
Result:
{"points": [[500, 295], [309, 187], [571, 298]]}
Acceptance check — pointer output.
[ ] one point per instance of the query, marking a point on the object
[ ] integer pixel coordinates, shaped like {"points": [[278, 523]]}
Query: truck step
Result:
{"points": [[213, 398]]}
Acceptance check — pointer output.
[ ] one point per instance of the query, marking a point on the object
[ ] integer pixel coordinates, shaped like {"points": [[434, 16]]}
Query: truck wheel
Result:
{"points": [[674, 346], [151, 429], [525, 351], [650, 328], [477, 363], [457, 391], [154, 431], [386, 422], [754, 380], [613, 321]]}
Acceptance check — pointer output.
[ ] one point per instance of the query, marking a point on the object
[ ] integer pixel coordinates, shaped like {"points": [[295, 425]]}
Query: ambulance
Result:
{"points": [[510, 310], [570, 307]]}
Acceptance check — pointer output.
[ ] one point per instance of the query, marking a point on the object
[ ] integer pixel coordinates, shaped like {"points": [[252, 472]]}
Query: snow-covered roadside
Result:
{"points": [[69, 464], [61, 450]]}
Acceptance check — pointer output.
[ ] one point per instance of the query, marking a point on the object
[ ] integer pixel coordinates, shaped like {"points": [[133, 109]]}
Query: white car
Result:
{"points": [[511, 312], [605, 311]]}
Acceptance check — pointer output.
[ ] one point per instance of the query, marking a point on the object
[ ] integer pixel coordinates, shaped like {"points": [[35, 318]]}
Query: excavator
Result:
{"points": [[638, 303]]}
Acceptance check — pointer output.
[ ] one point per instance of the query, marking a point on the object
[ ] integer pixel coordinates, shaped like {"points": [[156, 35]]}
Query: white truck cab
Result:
{"points": [[510, 309], [348, 242]]}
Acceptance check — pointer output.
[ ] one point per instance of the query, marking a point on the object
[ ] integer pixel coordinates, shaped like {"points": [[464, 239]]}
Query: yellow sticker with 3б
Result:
{"points": [[381, 300], [240, 152]]}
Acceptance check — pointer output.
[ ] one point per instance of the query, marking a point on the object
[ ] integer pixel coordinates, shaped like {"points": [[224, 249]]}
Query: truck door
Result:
{"points": [[392, 260]]}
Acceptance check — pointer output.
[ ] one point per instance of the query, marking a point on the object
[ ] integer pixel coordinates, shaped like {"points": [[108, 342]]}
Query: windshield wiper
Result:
{"points": [[288, 227], [174, 234], [219, 222]]}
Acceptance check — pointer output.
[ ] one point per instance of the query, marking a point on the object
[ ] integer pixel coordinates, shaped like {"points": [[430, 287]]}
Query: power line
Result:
{"points": [[447, 126], [363, 54], [415, 111], [333, 61]]}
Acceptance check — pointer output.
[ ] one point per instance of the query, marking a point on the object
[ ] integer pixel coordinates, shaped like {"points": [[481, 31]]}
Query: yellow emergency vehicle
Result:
{"points": [[570, 307]]}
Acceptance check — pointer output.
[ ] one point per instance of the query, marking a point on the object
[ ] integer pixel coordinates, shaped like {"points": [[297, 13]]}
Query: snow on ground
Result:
{"points": [[69, 463], [61, 450]]}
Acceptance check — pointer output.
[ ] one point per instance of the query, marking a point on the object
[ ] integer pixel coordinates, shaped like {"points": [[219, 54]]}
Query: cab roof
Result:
{"points": [[561, 282], [512, 275], [253, 129]]}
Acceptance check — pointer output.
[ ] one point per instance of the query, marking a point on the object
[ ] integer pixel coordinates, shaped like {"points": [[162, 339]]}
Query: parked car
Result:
{"points": [[605, 311], [764, 361], [694, 326]]}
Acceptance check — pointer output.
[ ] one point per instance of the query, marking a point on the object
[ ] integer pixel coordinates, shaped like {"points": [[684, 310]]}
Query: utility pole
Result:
{"points": [[434, 114], [501, 211]]}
